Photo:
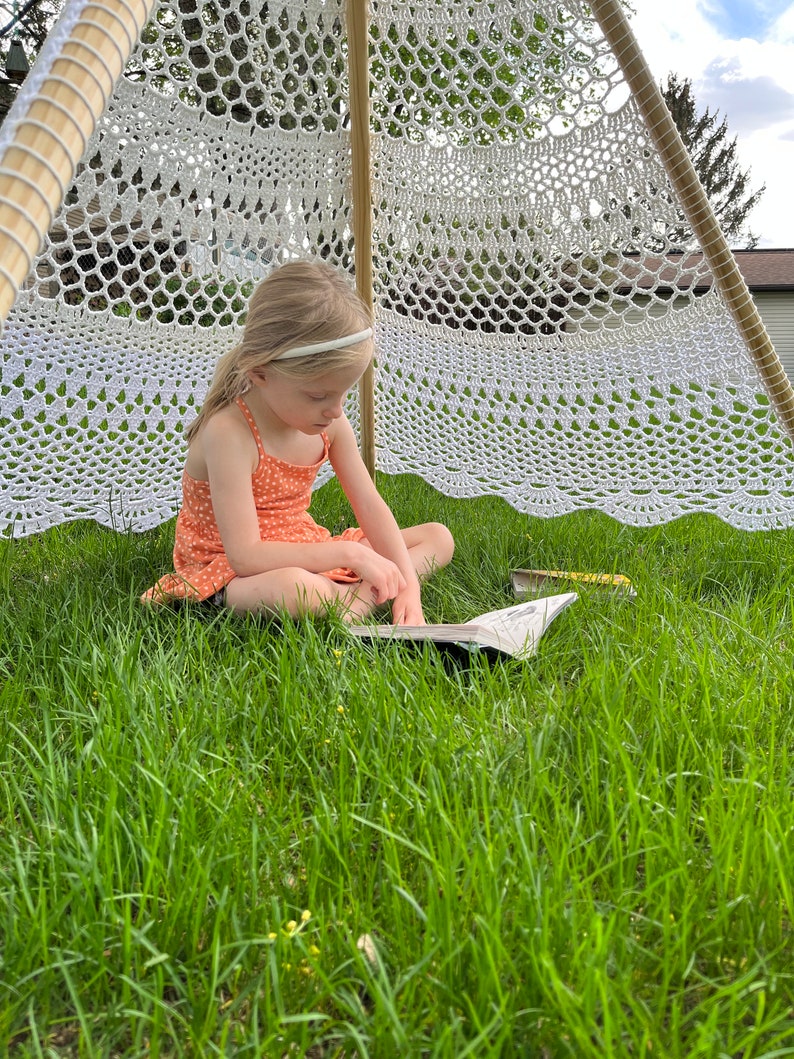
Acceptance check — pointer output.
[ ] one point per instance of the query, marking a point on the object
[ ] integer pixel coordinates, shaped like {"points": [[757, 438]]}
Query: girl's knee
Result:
{"points": [[303, 592], [439, 542]]}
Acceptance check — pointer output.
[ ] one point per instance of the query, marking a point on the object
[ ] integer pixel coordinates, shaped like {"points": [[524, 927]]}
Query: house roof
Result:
{"points": [[763, 270], [767, 269]]}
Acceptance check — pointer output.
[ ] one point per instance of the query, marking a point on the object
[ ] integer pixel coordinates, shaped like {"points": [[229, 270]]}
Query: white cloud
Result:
{"points": [[675, 36], [749, 103], [771, 158], [782, 29]]}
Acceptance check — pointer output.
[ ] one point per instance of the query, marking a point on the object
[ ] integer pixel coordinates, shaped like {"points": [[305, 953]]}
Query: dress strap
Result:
{"points": [[252, 424], [263, 455]]}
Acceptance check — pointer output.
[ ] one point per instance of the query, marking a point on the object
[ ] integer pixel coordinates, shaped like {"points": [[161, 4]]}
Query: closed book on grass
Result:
{"points": [[535, 582], [512, 631]]}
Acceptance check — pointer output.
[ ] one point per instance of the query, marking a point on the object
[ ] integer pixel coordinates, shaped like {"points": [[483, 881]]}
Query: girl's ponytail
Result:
{"points": [[228, 383]]}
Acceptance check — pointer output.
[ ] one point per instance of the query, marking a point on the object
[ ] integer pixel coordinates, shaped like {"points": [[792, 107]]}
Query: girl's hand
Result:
{"points": [[385, 577], [407, 607]]}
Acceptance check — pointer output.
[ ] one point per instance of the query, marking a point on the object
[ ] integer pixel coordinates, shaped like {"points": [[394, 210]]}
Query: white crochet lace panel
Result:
{"points": [[529, 341]]}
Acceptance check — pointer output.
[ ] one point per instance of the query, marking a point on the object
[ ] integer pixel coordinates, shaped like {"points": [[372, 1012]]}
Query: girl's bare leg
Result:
{"points": [[430, 547], [297, 592]]}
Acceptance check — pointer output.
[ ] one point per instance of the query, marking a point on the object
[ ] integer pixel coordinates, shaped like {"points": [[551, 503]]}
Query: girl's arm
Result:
{"points": [[375, 518], [229, 454]]}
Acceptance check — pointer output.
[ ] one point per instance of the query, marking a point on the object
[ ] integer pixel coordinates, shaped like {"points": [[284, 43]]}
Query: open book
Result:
{"points": [[513, 630]]}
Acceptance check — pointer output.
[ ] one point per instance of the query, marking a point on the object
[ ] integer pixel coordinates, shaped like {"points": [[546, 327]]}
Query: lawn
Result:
{"points": [[226, 837]]}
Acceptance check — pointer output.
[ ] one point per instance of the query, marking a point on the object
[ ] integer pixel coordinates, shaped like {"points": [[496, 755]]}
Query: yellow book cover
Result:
{"points": [[533, 582]]}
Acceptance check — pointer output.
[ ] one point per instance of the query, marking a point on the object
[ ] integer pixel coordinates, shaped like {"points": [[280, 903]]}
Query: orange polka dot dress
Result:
{"points": [[282, 494]]}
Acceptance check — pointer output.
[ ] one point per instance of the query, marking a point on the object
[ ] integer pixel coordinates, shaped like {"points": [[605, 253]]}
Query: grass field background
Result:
{"points": [[227, 837]]}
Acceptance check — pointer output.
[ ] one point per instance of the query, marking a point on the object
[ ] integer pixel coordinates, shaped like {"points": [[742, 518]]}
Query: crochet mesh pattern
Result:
{"points": [[532, 336]]}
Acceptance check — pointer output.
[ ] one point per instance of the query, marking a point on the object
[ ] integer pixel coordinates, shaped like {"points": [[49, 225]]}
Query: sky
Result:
{"points": [[739, 55]]}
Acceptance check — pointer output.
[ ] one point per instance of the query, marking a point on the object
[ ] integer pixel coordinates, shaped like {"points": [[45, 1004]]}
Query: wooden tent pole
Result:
{"points": [[358, 58], [38, 165], [696, 206]]}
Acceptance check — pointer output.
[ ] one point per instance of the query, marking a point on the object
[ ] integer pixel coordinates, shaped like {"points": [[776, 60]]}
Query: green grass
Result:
{"points": [[591, 854]]}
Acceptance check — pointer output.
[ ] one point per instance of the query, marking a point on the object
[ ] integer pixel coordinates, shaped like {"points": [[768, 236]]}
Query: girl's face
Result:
{"points": [[309, 405]]}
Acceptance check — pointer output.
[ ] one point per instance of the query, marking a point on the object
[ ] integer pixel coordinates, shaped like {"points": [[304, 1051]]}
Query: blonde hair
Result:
{"points": [[298, 304]]}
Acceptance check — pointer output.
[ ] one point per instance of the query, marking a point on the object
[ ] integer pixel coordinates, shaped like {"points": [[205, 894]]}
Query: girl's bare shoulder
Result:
{"points": [[224, 431], [226, 419], [340, 428]]}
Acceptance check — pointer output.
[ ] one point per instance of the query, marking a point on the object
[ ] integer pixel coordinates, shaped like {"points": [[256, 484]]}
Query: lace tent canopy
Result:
{"points": [[505, 182]]}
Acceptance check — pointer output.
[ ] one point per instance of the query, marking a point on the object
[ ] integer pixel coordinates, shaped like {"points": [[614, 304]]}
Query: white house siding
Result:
{"points": [[777, 312]]}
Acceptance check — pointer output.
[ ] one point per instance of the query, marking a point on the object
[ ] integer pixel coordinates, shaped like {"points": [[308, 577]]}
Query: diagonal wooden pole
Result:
{"points": [[50, 130], [696, 206], [358, 59]]}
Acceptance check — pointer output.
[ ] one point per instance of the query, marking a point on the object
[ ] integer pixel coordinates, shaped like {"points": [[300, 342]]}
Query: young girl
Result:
{"points": [[273, 414]]}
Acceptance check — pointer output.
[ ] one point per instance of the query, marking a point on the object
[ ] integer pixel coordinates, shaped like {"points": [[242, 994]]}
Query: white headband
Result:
{"points": [[323, 347]]}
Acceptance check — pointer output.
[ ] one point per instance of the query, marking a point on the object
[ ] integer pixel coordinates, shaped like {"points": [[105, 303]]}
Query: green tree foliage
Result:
{"points": [[24, 23], [28, 23], [221, 56], [260, 66], [713, 155], [476, 87]]}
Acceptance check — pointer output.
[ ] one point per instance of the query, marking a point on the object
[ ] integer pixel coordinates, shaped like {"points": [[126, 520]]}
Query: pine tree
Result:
{"points": [[713, 155]]}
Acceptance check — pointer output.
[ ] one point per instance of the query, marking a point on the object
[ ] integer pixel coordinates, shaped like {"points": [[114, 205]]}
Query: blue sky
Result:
{"points": [[740, 59], [735, 19]]}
